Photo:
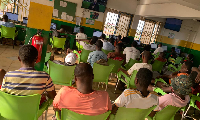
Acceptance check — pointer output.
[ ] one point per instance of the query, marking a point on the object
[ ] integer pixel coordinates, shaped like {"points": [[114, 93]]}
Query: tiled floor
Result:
{"points": [[9, 61]]}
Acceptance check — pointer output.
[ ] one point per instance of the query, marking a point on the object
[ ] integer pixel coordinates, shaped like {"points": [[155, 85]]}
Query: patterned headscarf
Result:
{"points": [[182, 84]]}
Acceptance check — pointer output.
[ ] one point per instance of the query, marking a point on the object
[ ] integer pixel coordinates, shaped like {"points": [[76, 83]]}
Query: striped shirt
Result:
{"points": [[27, 81]]}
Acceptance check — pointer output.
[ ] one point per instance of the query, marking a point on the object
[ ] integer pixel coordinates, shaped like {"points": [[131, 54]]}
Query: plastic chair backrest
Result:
{"points": [[60, 74], [116, 63], [158, 65], [8, 32], [132, 80], [13, 107], [158, 90], [47, 57], [80, 47], [167, 113], [101, 72], [124, 113], [172, 60], [179, 67], [70, 115], [59, 42], [84, 55], [178, 60], [77, 55], [106, 51], [131, 63]]}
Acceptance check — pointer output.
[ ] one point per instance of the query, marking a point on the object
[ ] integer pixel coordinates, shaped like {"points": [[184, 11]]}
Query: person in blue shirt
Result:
{"points": [[98, 54], [6, 23]]}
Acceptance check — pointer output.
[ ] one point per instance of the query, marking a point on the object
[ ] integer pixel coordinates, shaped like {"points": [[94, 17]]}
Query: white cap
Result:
{"points": [[70, 59], [81, 36]]}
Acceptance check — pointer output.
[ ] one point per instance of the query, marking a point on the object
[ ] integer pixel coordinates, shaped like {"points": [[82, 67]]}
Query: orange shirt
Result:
{"points": [[117, 43], [160, 59], [95, 103]]}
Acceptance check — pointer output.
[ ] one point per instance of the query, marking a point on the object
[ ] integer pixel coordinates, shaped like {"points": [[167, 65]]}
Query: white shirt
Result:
{"points": [[131, 52], [88, 46], [137, 67], [81, 36], [132, 98], [158, 50], [108, 46]]}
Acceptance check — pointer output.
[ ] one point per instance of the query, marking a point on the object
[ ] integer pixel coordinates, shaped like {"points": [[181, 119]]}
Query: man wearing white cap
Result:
{"points": [[81, 35]]}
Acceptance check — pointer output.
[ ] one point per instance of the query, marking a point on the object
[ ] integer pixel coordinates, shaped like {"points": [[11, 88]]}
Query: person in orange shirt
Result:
{"points": [[161, 57], [83, 99], [118, 40]]}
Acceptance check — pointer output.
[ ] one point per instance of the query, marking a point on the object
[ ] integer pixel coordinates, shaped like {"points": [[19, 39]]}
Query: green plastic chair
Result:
{"points": [[158, 66], [44, 107], [60, 74], [167, 113], [84, 55], [156, 55], [178, 60], [124, 113], [193, 100], [160, 80], [70, 115], [8, 32], [78, 55], [106, 51], [159, 90], [129, 81], [47, 57], [58, 42], [80, 47], [172, 68], [130, 63], [14, 107], [172, 60], [116, 63], [101, 73]]}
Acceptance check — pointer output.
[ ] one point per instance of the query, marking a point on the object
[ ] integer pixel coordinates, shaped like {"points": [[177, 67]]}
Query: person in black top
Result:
{"points": [[94, 6]]}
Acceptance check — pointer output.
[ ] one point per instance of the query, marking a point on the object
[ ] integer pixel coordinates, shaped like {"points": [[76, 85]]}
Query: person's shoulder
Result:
{"points": [[127, 92], [104, 93]]}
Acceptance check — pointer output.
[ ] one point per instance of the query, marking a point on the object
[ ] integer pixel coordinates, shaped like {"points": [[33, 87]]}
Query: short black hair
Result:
{"points": [[134, 44], [83, 70], [173, 48], [81, 29], [103, 36], [28, 54], [191, 56], [147, 55], [189, 66], [120, 46], [160, 44], [94, 39], [5, 17], [120, 37], [144, 77], [99, 44], [147, 47]]}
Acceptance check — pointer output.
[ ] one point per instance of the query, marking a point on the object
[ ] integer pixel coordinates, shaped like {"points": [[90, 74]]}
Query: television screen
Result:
{"points": [[97, 33], [53, 26], [25, 20], [12, 16], [173, 24], [95, 5]]}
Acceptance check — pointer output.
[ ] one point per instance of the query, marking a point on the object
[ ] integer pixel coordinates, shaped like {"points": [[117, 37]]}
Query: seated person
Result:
{"points": [[2, 74], [117, 55], [190, 57], [179, 97], [97, 55], [83, 99], [106, 44], [27, 80], [161, 57], [81, 36], [173, 53], [139, 97], [159, 49], [6, 23], [118, 40]]}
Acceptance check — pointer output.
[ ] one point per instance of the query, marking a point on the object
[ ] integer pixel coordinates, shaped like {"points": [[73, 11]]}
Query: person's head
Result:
{"points": [[134, 44], [112, 40], [162, 55], [146, 56], [119, 37], [190, 57], [5, 18], [160, 45], [28, 55], [95, 1], [84, 76], [103, 36], [93, 40], [81, 30], [70, 59], [147, 48], [99, 45], [182, 84], [186, 67], [143, 78], [119, 47], [173, 49]]}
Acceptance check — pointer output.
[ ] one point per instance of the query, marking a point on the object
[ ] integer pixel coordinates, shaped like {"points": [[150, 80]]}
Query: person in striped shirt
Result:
{"points": [[27, 80]]}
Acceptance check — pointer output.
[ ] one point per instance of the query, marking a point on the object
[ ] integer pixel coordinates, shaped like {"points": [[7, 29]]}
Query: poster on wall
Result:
{"points": [[171, 35], [94, 15], [90, 21], [64, 10]]}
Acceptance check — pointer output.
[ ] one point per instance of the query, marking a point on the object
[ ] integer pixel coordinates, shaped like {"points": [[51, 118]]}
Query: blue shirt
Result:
{"points": [[96, 56], [7, 24]]}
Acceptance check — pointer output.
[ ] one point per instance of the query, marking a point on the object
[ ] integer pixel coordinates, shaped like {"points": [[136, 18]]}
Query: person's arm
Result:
{"points": [[124, 71], [167, 89], [114, 109], [2, 74], [50, 89], [198, 76], [119, 102]]}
